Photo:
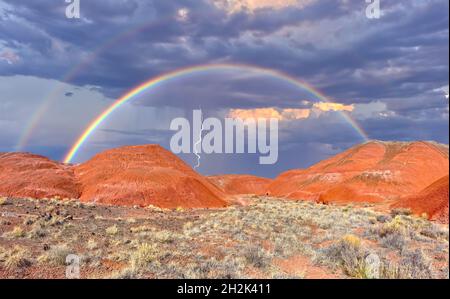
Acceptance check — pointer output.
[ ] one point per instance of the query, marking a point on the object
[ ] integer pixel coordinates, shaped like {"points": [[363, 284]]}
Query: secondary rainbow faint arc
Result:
{"points": [[120, 39], [197, 69], [76, 70]]}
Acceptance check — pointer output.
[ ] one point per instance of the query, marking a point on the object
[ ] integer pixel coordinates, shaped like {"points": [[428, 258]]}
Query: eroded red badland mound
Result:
{"points": [[433, 201], [145, 175], [371, 172], [27, 175], [241, 184], [150, 175]]}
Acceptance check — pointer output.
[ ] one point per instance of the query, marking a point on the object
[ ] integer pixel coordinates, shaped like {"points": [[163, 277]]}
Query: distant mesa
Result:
{"points": [[241, 184], [27, 175], [432, 201], [372, 172]]}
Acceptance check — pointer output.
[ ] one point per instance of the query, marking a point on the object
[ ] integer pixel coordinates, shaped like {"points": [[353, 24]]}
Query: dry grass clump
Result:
{"points": [[229, 268], [395, 234], [143, 255], [155, 209], [57, 220], [3, 201], [127, 273], [16, 232], [165, 236], [119, 256], [112, 230], [92, 244], [198, 266], [400, 231], [401, 212], [17, 257], [435, 232], [37, 232], [396, 226], [56, 256], [394, 240], [413, 265], [352, 241], [349, 254], [257, 257], [142, 228]]}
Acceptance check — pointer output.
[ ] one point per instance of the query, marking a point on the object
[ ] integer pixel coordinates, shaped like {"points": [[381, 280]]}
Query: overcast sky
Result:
{"points": [[393, 72]]}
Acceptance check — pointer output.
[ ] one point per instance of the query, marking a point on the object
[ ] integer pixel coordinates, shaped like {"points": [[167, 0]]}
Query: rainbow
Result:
{"points": [[154, 82]]}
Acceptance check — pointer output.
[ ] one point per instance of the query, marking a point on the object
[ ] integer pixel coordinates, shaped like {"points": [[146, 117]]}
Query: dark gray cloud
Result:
{"points": [[129, 41]]}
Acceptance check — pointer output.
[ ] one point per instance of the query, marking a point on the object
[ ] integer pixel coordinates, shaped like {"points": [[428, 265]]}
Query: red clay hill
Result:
{"points": [[27, 175], [145, 175], [241, 184], [135, 175], [386, 172], [433, 201], [372, 172]]}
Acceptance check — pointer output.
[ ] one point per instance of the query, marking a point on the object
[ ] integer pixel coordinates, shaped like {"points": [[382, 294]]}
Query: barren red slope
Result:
{"points": [[145, 175], [374, 171], [241, 184], [27, 175], [433, 201]]}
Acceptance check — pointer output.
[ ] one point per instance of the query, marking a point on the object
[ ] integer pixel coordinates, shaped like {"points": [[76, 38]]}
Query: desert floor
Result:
{"points": [[267, 238]]}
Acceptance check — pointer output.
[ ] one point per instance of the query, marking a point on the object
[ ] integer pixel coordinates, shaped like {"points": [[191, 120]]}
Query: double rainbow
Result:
{"points": [[152, 83]]}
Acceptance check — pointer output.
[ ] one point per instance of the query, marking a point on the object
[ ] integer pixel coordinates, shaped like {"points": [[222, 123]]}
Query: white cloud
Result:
{"points": [[271, 112], [444, 90], [325, 106], [289, 114], [9, 57], [182, 14], [233, 6]]}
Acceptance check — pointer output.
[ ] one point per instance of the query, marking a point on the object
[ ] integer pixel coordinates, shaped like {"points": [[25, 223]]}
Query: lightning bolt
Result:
{"points": [[200, 138]]}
